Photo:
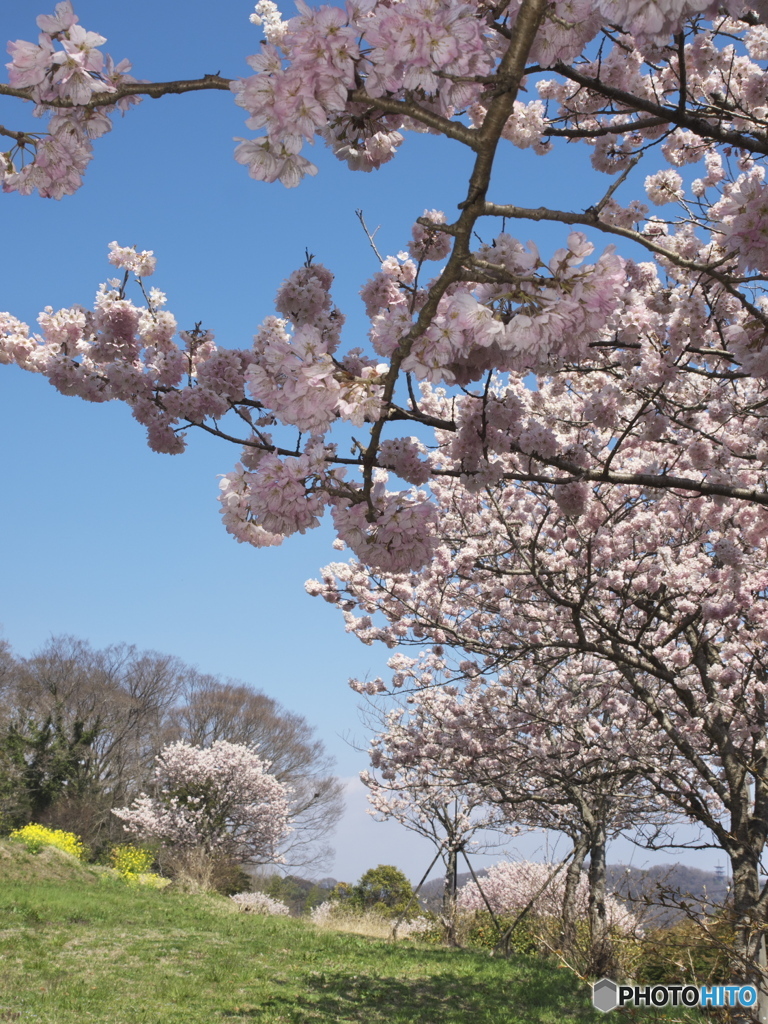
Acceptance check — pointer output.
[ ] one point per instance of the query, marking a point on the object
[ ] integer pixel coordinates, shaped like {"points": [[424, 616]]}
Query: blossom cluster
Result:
{"points": [[294, 375], [259, 903], [309, 68], [497, 313], [62, 73], [320, 74]]}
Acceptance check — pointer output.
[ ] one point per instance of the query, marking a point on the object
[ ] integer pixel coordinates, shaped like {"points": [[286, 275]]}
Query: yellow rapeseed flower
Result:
{"points": [[35, 837], [131, 861]]}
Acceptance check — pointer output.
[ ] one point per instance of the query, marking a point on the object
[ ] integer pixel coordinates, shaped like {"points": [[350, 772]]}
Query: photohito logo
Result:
{"points": [[607, 995]]}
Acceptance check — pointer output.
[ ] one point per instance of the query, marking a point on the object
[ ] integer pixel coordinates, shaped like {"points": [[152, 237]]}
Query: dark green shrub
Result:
{"points": [[229, 878], [686, 952], [299, 894], [479, 932]]}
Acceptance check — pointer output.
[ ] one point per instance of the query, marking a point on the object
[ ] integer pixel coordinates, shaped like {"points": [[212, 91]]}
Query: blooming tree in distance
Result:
{"points": [[426, 799], [219, 799], [509, 886]]}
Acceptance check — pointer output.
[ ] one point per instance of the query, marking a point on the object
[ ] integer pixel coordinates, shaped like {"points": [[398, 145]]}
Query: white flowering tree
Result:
{"points": [[510, 886], [220, 799], [419, 795]]}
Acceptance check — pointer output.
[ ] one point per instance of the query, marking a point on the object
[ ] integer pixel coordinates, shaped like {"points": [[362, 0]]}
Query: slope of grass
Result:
{"points": [[80, 947], [17, 864]]}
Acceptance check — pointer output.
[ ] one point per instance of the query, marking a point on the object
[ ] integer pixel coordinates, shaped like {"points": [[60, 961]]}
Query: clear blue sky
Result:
{"points": [[108, 541]]}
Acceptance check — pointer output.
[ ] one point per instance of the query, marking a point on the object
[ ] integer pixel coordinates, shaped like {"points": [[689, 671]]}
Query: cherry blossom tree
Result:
{"points": [[510, 886], [665, 590], [562, 751], [220, 799], [421, 795], [213, 710]]}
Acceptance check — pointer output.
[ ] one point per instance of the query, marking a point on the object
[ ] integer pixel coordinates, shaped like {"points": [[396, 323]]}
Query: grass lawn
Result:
{"points": [[81, 947]]}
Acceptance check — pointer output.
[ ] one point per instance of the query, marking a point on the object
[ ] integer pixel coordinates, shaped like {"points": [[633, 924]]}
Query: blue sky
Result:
{"points": [[106, 540]]}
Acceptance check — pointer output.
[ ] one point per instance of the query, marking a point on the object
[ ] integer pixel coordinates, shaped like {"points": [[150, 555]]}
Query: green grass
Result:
{"points": [[80, 947]]}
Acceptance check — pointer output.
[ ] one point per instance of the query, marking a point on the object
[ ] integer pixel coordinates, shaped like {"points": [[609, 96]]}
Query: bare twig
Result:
{"points": [[370, 236]]}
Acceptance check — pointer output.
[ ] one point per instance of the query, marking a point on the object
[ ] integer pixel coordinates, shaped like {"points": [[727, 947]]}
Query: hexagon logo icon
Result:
{"points": [[604, 995]]}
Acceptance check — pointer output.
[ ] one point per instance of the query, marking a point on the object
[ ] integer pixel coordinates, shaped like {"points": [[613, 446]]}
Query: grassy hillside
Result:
{"points": [[78, 946], [50, 865]]}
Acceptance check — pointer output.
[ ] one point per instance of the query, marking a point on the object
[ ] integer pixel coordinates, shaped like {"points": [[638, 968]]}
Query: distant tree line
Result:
{"points": [[80, 730]]}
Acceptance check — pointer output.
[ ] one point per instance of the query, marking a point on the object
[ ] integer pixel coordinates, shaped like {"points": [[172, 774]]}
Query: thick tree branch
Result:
{"points": [[509, 77]]}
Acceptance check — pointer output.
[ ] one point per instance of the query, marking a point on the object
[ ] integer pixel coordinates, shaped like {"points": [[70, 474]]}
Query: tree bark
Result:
{"points": [[601, 948], [572, 878], [449, 895], [749, 938]]}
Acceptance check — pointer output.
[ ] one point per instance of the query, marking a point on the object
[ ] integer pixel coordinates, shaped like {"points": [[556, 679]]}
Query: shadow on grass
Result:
{"points": [[449, 998]]}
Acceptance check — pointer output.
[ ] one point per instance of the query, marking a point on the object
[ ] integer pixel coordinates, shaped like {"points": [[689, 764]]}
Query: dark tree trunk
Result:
{"points": [[449, 895], [601, 948], [572, 877], [749, 938]]}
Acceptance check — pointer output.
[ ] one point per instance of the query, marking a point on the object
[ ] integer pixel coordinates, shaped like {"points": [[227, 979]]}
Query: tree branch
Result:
{"points": [[673, 115], [590, 219], [152, 89]]}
